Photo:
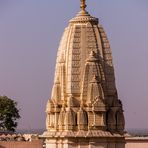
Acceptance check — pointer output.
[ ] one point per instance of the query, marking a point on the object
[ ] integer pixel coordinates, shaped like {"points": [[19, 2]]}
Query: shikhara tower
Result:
{"points": [[84, 109]]}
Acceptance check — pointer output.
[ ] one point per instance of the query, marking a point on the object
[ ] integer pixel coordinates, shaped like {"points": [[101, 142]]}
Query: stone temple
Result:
{"points": [[84, 110]]}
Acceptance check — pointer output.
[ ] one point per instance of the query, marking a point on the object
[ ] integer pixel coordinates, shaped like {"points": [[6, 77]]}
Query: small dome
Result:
{"points": [[84, 17]]}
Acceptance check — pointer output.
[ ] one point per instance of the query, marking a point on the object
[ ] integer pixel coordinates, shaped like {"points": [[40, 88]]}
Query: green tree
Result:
{"points": [[9, 114]]}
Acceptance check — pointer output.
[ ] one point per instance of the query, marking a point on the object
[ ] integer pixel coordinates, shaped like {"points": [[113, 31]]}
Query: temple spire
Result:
{"points": [[84, 105], [83, 5]]}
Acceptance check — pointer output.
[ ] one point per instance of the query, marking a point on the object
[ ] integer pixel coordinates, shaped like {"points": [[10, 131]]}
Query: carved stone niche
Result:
{"points": [[82, 119], [111, 120], [70, 119], [120, 121], [61, 119], [99, 112]]}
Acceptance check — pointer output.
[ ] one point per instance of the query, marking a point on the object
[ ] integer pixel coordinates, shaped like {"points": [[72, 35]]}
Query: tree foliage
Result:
{"points": [[9, 113]]}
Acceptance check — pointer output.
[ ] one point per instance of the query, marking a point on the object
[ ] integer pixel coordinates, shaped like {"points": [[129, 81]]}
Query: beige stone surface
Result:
{"points": [[84, 100]]}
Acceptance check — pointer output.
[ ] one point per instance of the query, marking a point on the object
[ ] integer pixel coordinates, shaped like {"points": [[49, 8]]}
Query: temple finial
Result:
{"points": [[83, 5]]}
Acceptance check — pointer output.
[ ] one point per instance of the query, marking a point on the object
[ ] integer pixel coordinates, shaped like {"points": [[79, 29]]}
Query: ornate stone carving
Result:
{"points": [[84, 100], [82, 119]]}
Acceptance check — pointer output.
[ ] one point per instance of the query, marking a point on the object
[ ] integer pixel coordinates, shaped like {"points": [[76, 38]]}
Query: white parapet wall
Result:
{"points": [[136, 142]]}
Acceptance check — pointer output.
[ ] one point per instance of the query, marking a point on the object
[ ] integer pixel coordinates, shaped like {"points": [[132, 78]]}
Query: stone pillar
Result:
{"points": [[111, 145], [60, 143], [70, 143], [120, 145], [98, 145], [51, 143]]}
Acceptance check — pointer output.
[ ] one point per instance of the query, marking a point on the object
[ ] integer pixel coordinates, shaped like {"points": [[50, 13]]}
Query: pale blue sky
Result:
{"points": [[30, 31]]}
